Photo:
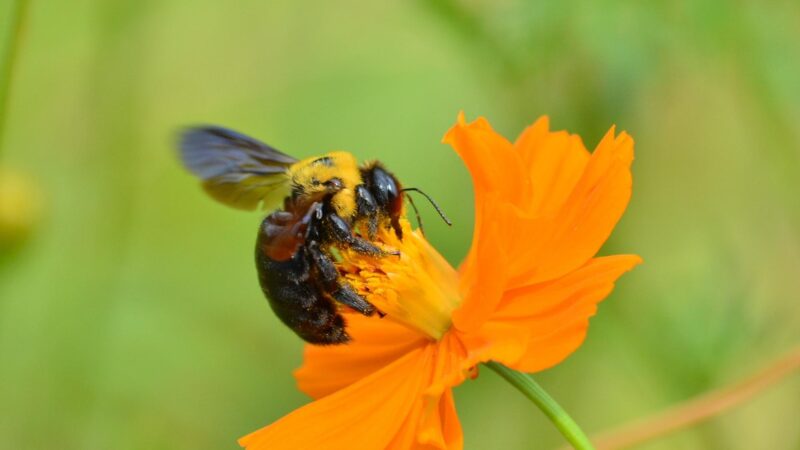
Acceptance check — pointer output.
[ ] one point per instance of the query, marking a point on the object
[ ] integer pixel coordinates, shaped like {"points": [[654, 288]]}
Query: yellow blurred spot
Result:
{"points": [[20, 207]]}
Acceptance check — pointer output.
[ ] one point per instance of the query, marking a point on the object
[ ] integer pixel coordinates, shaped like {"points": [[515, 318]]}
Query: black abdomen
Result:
{"points": [[295, 298]]}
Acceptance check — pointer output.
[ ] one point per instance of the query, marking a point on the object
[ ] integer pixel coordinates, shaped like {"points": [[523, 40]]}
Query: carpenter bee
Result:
{"points": [[326, 202]]}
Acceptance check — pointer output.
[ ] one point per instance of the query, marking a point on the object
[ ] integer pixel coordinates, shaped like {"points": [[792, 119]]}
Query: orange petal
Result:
{"points": [[375, 343], [561, 202], [555, 161], [369, 412], [566, 240], [532, 138], [407, 404], [491, 159], [451, 426], [555, 314], [575, 203], [440, 427], [432, 425], [482, 276]]}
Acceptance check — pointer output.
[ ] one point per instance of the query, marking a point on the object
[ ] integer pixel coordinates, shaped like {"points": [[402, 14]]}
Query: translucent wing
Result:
{"points": [[236, 169]]}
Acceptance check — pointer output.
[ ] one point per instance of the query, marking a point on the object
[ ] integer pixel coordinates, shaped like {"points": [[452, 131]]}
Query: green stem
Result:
{"points": [[17, 17], [535, 393]]}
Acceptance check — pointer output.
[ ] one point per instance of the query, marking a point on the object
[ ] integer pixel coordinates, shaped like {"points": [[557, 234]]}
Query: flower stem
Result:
{"points": [[535, 393]]}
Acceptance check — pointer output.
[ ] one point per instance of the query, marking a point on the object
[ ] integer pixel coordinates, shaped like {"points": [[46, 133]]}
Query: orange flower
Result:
{"points": [[522, 297]]}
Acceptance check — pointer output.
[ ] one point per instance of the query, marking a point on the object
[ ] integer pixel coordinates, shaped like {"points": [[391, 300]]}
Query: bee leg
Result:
{"points": [[340, 232], [346, 295], [367, 207], [342, 292]]}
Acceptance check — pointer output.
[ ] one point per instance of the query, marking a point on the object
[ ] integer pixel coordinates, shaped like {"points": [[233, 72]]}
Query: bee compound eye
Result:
{"points": [[384, 187]]}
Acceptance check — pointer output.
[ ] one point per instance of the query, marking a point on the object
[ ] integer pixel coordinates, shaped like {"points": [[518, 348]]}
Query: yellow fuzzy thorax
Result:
{"points": [[310, 175]]}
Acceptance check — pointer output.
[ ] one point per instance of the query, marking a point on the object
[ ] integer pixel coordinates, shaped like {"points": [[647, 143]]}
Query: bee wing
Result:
{"points": [[236, 169]]}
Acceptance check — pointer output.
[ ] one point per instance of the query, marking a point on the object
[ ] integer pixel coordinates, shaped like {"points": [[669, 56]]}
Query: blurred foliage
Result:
{"points": [[134, 320]]}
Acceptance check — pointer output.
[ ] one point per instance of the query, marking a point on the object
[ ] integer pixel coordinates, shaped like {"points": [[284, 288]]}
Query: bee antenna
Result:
{"points": [[433, 203], [416, 212]]}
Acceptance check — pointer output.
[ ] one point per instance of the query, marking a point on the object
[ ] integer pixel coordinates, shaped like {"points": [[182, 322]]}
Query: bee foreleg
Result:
{"points": [[325, 266], [340, 232], [346, 295], [368, 208], [340, 290]]}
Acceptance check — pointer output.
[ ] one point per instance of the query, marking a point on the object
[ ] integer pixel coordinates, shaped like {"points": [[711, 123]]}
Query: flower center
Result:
{"points": [[418, 288]]}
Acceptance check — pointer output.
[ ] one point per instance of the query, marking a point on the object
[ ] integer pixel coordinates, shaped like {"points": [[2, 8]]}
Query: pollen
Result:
{"points": [[417, 288]]}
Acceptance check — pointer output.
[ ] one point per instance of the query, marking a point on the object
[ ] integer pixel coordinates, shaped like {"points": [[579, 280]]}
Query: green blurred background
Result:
{"points": [[131, 317]]}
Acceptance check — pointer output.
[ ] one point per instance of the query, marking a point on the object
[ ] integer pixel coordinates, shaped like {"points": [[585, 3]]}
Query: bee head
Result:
{"points": [[386, 190]]}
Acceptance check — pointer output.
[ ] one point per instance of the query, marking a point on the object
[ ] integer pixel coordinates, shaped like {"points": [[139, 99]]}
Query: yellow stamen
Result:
{"points": [[418, 288]]}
